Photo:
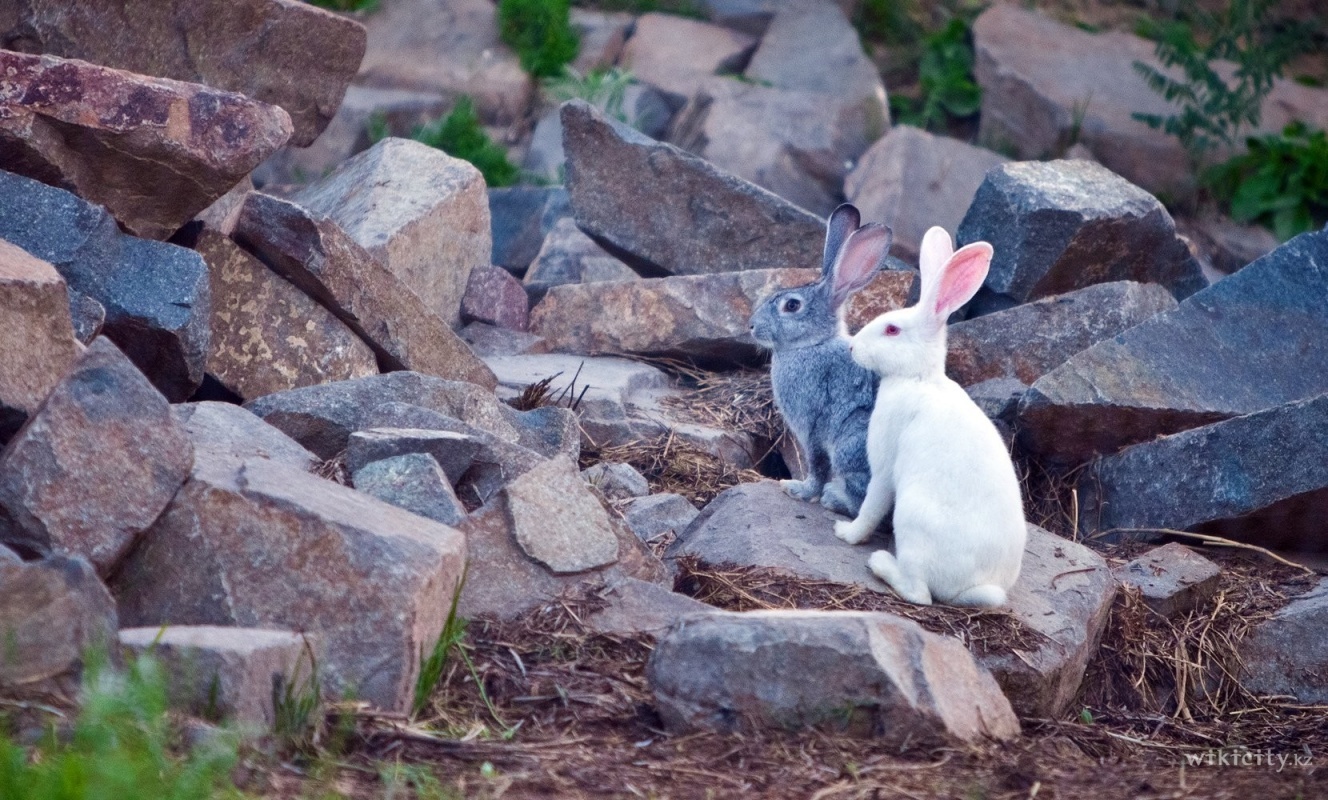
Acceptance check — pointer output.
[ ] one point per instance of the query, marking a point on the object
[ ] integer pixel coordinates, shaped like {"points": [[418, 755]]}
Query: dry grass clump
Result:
{"points": [[334, 469], [674, 465], [739, 401]]}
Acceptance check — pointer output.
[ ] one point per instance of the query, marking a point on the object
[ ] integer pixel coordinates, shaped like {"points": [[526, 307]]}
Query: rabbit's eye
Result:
{"points": [[891, 330], [792, 305]]}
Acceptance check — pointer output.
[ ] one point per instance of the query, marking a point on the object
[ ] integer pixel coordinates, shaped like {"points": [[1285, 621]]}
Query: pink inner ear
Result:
{"points": [[962, 277], [858, 261]]}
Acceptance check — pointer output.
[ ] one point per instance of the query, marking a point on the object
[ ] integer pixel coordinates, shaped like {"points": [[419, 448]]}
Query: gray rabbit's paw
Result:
{"points": [[850, 531], [836, 499], [803, 490]]}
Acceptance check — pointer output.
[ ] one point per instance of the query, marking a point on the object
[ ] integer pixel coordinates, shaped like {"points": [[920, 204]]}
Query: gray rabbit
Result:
{"points": [[825, 398]]}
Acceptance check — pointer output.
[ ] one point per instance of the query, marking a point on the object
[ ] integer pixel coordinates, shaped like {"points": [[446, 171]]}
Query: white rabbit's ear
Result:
{"points": [[859, 260], [961, 277], [842, 222]]}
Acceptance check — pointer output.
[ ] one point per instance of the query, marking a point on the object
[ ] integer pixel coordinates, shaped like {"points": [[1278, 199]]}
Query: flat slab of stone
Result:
{"points": [[912, 180], [569, 256], [1260, 478], [38, 334], [696, 219], [1058, 226], [414, 482], [640, 607], [95, 465], [488, 340], [870, 674], [1172, 579], [234, 431], [422, 213], [1248, 343], [557, 521], [657, 514], [267, 335], [676, 55], [1030, 340], [258, 544], [153, 151], [616, 481], [1288, 654], [156, 295], [603, 384], [316, 255], [454, 452], [51, 612], [223, 673]]}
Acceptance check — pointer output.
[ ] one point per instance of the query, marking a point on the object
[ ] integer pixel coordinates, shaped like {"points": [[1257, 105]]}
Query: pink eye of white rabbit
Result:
{"points": [[891, 330]]}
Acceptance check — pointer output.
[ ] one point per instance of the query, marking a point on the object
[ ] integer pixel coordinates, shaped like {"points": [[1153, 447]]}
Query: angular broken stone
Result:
{"points": [[494, 296], [557, 521], [1172, 579], [258, 544], [422, 213], [696, 219], [1288, 654], [233, 431], [890, 289], [754, 16], [37, 335], [154, 152], [1260, 478], [570, 256], [487, 340], [702, 317], [87, 315], [550, 431], [913, 180], [454, 452], [1248, 343], [323, 417], [1058, 226], [414, 482], [156, 296], [868, 674], [289, 54], [267, 335], [95, 465], [52, 612], [521, 216], [224, 673], [641, 607], [656, 514], [676, 55], [1028, 341], [313, 253], [616, 481]]}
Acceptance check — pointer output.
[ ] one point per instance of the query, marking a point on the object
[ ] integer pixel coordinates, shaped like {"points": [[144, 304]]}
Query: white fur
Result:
{"points": [[935, 457]]}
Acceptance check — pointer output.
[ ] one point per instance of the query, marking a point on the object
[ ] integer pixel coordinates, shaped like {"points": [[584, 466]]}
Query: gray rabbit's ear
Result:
{"points": [[842, 222], [861, 257]]}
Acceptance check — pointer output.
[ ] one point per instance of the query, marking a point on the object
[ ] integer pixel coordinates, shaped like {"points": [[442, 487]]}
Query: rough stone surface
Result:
{"points": [[1044, 82], [95, 465], [51, 612], [637, 606], [1028, 341], [454, 452], [322, 418], [281, 52], [602, 35], [521, 216], [267, 335], [419, 211], [891, 288], [557, 521], [154, 152], [570, 256], [1288, 654], [37, 335], [316, 255], [450, 46], [488, 340], [999, 400], [616, 481], [1172, 579], [232, 431], [258, 544], [1064, 593], [703, 317], [604, 386], [656, 514], [222, 672], [696, 218], [87, 315], [1260, 478], [494, 296], [754, 16], [869, 674], [794, 142], [914, 180], [413, 481], [1063, 225], [1248, 343], [156, 296], [676, 55], [550, 431]]}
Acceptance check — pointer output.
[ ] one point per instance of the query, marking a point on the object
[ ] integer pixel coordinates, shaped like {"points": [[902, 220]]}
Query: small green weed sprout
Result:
{"points": [[461, 135], [1280, 181], [541, 33]]}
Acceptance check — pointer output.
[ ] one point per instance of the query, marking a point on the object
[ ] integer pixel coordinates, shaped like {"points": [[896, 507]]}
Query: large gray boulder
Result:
{"points": [[230, 430], [676, 55], [1288, 654]]}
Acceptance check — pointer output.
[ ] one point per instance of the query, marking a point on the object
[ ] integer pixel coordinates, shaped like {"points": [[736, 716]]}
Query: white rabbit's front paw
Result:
{"points": [[851, 532], [803, 490]]}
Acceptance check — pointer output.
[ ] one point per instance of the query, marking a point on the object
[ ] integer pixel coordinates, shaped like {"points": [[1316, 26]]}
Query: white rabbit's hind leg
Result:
{"points": [[875, 506], [907, 585], [986, 595]]}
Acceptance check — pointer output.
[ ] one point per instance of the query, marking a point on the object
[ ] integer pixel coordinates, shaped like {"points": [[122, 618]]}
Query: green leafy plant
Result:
{"points": [[1280, 181], [460, 134], [945, 79], [541, 33], [606, 89], [680, 8], [433, 665], [297, 704], [892, 22], [365, 6], [121, 746]]}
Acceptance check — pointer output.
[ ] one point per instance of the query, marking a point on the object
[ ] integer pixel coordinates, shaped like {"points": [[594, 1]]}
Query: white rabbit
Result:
{"points": [[935, 457]]}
